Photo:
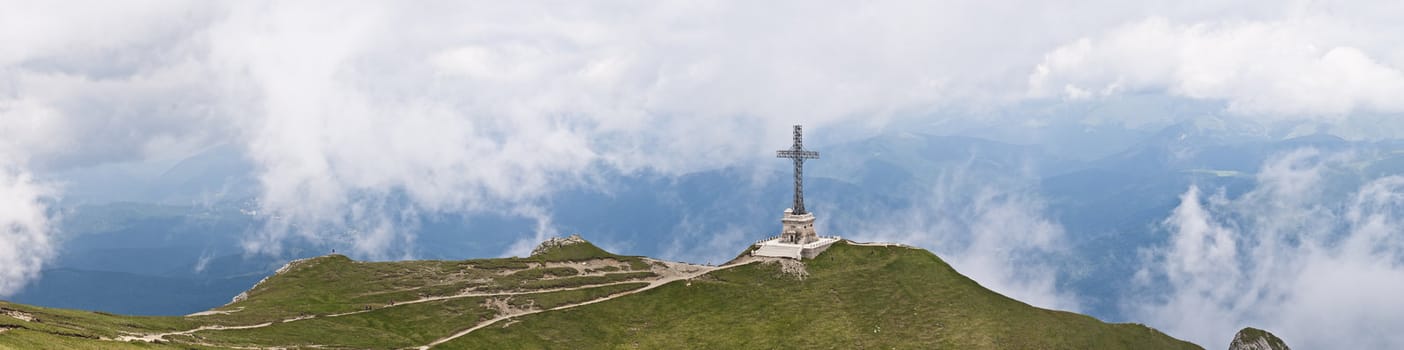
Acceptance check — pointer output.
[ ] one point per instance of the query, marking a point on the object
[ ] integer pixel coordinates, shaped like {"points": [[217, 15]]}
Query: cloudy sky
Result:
{"points": [[344, 107]]}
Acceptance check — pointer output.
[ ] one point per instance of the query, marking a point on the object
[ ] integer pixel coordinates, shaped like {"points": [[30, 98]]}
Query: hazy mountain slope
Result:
{"points": [[863, 296], [853, 297]]}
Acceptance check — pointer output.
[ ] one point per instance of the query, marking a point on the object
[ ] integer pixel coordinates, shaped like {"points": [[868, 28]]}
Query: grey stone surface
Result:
{"points": [[797, 229]]}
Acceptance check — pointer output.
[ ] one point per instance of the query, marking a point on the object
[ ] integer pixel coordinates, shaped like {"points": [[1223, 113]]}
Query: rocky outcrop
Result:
{"points": [[556, 242], [1256, 339]]}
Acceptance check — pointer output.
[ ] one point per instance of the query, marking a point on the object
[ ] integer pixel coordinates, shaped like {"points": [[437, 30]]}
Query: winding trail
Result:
{"points": [[215, 312], [879, 244], [675, 271], [466, 295], [162, 336], [700, 270]]}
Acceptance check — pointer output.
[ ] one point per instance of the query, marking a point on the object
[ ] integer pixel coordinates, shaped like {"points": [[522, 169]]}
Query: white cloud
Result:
{"points": [[93, 83], [26, 236], [693, 240], [1317, 67], [544, 229], [84, 33], [443, 112], [998, 237], [1319, 271], [353, 112]]}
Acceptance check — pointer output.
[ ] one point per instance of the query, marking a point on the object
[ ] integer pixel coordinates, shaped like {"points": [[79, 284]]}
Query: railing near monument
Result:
{"points": [[766, 239], [836, 238]]}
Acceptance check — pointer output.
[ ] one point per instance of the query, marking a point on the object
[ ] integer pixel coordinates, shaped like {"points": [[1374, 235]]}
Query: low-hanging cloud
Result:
{"points": [[993, 230], [496, 114], [26, 236], [359, 117], [1320, 269]]}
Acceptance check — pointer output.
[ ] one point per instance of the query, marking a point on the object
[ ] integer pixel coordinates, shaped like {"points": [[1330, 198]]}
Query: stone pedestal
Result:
{"points": [[797, 239], [797, 229]]}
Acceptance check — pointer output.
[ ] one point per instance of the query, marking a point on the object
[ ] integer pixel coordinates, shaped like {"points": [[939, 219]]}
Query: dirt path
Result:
{"points": [[470, 295], [675, 271], [162, 336], [697, 271], [215, 312], [880, 244]]}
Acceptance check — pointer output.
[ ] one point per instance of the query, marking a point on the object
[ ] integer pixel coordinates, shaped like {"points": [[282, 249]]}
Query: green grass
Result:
{"points": [[554, 299], [336, 284], [585, 280], [560, 271], [397, 327], [574, 252], [587, 251], [77, 329], [519, 277], [87, 323], [605, 269], [25, 339], [501, 264], [526, 280], [638, 265], [855, 297]]}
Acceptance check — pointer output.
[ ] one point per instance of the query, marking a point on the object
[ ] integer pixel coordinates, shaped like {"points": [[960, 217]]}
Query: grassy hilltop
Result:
{"points": [[853, 297], [850, 297]]}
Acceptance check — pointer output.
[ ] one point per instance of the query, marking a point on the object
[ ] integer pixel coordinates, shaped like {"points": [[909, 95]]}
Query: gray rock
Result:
{"points": [[1256, 339], [555, 242]]}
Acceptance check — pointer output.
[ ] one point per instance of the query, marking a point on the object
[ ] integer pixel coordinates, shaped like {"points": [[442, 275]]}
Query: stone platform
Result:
{"points": [[776, 249]]}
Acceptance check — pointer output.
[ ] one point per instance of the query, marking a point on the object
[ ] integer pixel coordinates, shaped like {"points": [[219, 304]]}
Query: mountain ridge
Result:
{"points": [[571, 293]]}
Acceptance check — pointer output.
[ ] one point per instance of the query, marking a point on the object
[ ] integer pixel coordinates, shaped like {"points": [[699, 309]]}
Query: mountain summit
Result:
{"points": [[1256, 339], [571, 294]]}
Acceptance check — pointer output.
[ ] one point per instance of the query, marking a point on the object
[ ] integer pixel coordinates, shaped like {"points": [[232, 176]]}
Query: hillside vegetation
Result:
{"points": [[571, 294], [853, 297]]}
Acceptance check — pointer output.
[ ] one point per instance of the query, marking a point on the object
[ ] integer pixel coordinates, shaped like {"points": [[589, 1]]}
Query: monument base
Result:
{"points": [[797, 239], [774, 248], [797, 228]]}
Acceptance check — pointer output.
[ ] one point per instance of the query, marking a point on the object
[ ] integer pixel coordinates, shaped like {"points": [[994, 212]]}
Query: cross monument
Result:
{"points": [[798, 224], [797, 237]]}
